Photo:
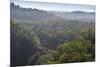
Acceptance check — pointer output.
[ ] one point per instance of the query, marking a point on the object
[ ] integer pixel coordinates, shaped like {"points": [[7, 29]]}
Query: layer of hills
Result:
{"points": [[28, 14]]}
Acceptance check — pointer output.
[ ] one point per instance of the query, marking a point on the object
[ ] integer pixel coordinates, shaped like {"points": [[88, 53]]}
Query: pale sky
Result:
{"points": [[55, 6], [89, 2]]}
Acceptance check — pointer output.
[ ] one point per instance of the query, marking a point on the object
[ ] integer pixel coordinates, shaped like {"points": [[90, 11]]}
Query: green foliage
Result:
{"points": [[25, 32], [45, 59], [74, 51], [57, 40], [50, 57]]}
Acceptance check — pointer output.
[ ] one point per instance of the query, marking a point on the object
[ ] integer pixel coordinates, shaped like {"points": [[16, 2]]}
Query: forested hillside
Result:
{"points": [[28, 14], [49, 39]]}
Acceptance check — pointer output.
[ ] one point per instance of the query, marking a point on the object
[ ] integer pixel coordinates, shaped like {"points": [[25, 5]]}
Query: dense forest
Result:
{"points": [[49, 39]]}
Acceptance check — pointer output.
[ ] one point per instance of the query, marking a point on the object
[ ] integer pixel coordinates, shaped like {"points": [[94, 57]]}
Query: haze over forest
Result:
{"points": [[51, 33]]}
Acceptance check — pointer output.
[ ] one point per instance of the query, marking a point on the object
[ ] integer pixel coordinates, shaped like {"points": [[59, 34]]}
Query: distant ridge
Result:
{"points": [[21, 14], [82, 12], [27, 14]]}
